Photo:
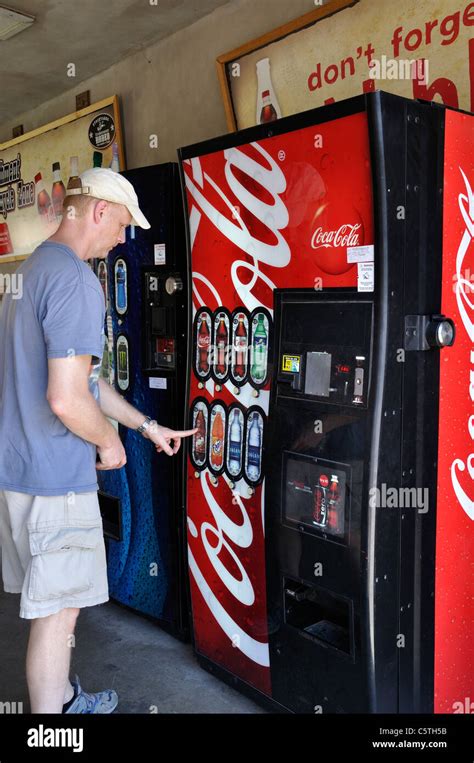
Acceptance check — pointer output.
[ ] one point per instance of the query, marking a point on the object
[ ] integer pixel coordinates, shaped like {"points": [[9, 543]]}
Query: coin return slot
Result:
{"points": [[320, 614]]}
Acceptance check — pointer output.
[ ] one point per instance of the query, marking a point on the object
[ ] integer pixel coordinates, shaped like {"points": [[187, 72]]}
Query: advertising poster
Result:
{"points": [[35, 169], [413, 48]]}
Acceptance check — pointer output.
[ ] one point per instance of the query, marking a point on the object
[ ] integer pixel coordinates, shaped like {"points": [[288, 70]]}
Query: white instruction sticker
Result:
{"points": [[365, 276], [360, 253], [157, 382], [160, 254]]}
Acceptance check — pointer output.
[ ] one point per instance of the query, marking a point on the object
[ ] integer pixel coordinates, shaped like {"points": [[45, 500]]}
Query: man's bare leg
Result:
{"points": [[48, 659]]}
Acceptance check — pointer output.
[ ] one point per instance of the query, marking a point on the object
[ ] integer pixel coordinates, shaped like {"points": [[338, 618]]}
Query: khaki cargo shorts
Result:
{"points": [[53, 551]]}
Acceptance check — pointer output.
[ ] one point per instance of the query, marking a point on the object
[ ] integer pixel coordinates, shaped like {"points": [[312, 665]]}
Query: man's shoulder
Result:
{"points": [[60, 262]]}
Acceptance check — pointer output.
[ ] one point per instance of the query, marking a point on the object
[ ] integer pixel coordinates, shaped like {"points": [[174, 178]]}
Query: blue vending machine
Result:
{"points": [[145, 287]]}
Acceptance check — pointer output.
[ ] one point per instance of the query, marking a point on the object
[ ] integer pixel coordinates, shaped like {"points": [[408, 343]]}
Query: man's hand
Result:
{"points": [[162, 436], [113, 457]]}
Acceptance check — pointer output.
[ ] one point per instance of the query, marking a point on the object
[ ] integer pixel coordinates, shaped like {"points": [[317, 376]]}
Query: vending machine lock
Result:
{"points": [[425, 332]]}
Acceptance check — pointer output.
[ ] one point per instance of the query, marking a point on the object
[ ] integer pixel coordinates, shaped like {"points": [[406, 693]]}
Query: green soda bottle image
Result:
{"points": [[259, 347]]}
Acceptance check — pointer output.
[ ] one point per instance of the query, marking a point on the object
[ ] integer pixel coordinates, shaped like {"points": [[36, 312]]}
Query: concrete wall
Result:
{"points": [[171, 89]]}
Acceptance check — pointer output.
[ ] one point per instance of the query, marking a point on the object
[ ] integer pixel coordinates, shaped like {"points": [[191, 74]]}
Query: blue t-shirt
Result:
{"points": [[58, 311]]}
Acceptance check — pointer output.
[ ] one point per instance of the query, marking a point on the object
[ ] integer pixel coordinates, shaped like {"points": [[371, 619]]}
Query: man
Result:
{"points": [[53, 425]]}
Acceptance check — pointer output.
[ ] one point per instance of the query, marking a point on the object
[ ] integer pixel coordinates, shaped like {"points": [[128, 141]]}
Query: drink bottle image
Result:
{"points": [[115, 163], [45, 208], [320, 509], [235, 444], [259, 350], [268, 109], [122, 363], [105, 367], [6, 246], [110, 344], [102, 275], [333, 498], [268, 113], [121, 295], [97, 159], [199, 439], [254, 449], [203, 341], [240, 349], [58, 191], [217, 439], [222, 337], [74, 179], [123, 378]]}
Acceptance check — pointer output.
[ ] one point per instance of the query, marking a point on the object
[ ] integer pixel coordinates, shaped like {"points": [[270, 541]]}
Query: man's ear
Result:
{"points": [[99, 210]]}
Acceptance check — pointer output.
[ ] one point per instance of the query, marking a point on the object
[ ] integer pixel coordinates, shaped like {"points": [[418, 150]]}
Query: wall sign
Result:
{"points": [[413, 48], [35, 169]]}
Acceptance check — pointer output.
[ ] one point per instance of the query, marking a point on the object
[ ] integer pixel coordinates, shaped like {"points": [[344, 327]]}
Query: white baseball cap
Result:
{"points": [[103, 183]]}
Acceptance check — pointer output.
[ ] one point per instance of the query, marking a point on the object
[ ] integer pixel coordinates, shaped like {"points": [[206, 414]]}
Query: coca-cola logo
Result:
{"points": [[464, 294], [204, 341], [221, 534], [345, 235], [240, 535], [274, 216]]}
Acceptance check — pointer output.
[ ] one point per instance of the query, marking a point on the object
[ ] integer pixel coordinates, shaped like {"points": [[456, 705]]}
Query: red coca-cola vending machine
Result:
{"points": [[329, 484]]}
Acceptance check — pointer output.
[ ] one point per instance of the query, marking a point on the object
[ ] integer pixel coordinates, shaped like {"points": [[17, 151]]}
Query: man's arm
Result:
{"points": [[70, 398], [116, 407]]}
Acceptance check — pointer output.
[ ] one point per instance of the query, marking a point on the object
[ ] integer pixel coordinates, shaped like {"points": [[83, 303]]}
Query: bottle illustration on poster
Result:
{"points": [[6, 246], [199, 419], [102, 276], [240, 334], [58, 191], [123, 374], [218, 423], [320, 511], [220, 356], [260, 326], [43, 200], [254, 445], [202, 340], [235, 442], [333, 502], [121, 300], [315, 494], [115, 163], [74, 181], [268, 109]]}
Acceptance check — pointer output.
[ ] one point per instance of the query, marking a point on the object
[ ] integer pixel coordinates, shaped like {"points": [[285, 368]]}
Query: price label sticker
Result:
{"points": [[291, 363], [160, 254]]}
